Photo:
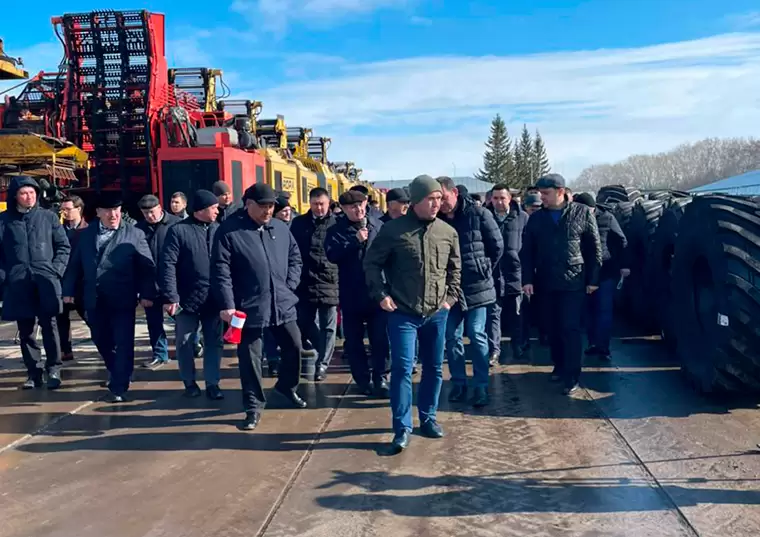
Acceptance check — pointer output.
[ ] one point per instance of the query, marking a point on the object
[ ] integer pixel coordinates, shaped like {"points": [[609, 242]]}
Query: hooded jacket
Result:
{"points": [[33, 258]]}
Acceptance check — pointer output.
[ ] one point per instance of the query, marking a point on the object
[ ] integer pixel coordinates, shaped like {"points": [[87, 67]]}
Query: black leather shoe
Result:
{"points": [[192, 391], [54, 380], [198, 350], [458, 394], [400, 442], [321, 373], [116, 398], [480, 398], [155, 363], [251, 421], [214, 393], [415, 368], [32, 383], [365, 389], [292, 397], [569, 390], [381, 390], [274, 369], [431, 429], [494, 359]]}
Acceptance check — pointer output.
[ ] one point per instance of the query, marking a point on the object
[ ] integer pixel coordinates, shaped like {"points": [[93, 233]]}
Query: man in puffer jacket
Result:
{"points": [[481, 246], [562, 254]]}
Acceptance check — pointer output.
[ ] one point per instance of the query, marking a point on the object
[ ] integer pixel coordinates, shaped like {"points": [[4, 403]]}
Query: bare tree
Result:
{"points": [[685, 167]]}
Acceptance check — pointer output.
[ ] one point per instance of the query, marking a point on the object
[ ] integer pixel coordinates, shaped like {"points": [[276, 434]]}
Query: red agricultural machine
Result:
{"points": [[145, 128]]}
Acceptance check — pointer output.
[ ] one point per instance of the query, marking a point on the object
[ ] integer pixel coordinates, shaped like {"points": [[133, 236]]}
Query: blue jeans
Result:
{"points": [[599, 320], [154, 316], [187, 329], [473, 323], [405, 330]]}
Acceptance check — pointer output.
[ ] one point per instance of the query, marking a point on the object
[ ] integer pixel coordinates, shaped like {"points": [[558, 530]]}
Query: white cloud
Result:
{"points": [[275, 15], [591, 106], [744, 21]]}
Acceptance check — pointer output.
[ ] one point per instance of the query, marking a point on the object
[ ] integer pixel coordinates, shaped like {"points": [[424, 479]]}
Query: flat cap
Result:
{"points": [[260, 193], [397, 194], [352, 196], [585, 198], [532, 200], [108, 200], [551, 180]]}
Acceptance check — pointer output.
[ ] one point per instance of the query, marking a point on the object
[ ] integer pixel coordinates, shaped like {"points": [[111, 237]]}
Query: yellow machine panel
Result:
{"points": [[282, 175], [11, 68], [307, 180]]}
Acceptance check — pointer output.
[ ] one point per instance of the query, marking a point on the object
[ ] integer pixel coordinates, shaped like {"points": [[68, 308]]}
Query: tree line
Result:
{"points": [[518, 164], [683, 168]]}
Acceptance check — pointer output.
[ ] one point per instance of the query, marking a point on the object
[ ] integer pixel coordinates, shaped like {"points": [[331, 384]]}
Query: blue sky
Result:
{"points": [[409, 86]]}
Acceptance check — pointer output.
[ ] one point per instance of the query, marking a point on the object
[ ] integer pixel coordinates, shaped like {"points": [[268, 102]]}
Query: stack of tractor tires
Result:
{"points": [[639, 232], [716, 294], [659, 266], [617, 193]]}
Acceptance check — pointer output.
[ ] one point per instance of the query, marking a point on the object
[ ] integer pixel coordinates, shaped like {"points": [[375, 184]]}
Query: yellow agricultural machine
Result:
{"points": [[11, 68], [298, 140], [55, 163], [317, 148], [281, 170]]}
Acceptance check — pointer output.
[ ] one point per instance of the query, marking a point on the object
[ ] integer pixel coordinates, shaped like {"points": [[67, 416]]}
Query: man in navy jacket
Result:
{"points": [[255, 269], [114, 265], [346, 243], [183, 280]]}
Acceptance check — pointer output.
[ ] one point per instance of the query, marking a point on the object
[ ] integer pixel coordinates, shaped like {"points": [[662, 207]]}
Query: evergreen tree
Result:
{"points": [[498, 163], [539, 158], [524, 160]]}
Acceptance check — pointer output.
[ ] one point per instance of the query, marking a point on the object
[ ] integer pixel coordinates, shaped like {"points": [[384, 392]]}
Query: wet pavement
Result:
{"points": [[636, 453]]}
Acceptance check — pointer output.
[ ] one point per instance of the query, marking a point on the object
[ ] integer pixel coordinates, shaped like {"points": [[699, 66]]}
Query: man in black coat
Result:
{"points": [[318, 291], [255, 269], [507, 309], [184, 273], [33, 257], [481, 247], [346, 244], [562, 254], [397, 200], [115, 267], [155, 224], [227, 204], [614, 267], [72, 208]]}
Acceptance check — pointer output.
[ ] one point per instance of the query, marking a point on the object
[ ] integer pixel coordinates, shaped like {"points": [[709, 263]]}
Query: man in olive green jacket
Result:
{"points": [[413, 270]]}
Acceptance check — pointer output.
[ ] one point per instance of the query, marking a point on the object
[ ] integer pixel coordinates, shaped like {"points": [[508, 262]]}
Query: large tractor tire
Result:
{"points": [[716, 294], [640, 231], [617, 193], [659, 269], [661, 195]]}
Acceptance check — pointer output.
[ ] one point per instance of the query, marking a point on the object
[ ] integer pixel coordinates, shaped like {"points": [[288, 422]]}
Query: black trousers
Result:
{"points": [[113, 332], [565, 313], [30, 349], [250, 352], [64, 325], [354, 323], [512, 320]]}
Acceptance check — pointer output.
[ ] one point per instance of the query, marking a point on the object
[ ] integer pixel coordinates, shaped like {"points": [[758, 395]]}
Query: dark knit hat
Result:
{"points": [[422, 187], [260, 193], [397, 194], [219, 188], [352, 196], [203, 199], [585, 198]]}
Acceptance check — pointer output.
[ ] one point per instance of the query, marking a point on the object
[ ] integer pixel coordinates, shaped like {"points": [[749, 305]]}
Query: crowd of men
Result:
{"points": [[439, 265]]}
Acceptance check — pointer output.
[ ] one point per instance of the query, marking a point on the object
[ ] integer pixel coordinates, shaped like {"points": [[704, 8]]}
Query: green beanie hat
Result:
{"points": [[422, 187]]}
